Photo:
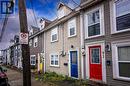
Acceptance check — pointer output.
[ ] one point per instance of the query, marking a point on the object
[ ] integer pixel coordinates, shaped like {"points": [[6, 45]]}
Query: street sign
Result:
{"points": [[23, 38]]}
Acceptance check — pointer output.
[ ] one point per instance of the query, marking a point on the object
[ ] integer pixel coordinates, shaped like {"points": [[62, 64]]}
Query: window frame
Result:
{"points": [[53, 32], [101, 14], [99, 55], [61, 12], [54, 60], [113, 18], [31, 60], [72, 21], [35, 41], [115, 46], [30, 42]]}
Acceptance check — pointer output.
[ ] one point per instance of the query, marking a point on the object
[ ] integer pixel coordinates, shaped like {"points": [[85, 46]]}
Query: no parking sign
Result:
{"points": [[23, 38]]}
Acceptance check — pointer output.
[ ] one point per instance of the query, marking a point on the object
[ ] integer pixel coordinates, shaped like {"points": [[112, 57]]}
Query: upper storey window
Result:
{"points": [[94, 22], [121, 15]]}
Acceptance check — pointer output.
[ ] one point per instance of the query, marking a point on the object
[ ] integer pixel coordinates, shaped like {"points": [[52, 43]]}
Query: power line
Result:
{"points": [[4, 26], [75, 2], [49, 10], [33, 12], [32, 15]]}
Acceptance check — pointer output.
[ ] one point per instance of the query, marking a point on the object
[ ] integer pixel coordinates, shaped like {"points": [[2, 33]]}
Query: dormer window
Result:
{"points": [[35, 42], [61, 12], [41, 24], [30, 32]]}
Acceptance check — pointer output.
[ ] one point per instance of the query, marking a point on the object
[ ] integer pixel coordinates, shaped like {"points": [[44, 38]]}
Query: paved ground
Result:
{"points": [[15, 79]]}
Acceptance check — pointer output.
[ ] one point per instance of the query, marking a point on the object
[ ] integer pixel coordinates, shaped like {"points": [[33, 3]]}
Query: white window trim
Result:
{"points": [[58, 60], [113, 18], [52, 34], [115, 58], [35, 59], [72, 20], [101, 11]]}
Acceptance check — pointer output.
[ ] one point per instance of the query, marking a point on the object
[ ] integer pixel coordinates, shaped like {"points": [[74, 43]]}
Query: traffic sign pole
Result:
{"points": [[25, 46]]}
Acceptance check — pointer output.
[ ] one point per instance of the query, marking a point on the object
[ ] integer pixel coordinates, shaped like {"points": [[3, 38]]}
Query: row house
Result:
{"points": [[62, 43], [1, 56], [5, 56], [16, 53], [105, 40], [12, 55], [90, 42], [59, 43], [36, 43]]}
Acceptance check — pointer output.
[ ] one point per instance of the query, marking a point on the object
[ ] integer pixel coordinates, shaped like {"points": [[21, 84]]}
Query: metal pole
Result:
{"points": [[25, 47]]}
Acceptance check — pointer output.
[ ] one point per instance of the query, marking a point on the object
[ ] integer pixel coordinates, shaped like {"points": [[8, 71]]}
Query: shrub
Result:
{"points": [[52, 76], [33, 67]]}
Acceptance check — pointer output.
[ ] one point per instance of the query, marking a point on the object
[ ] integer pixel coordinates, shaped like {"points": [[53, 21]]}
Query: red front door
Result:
{"points": [[95, 62]]}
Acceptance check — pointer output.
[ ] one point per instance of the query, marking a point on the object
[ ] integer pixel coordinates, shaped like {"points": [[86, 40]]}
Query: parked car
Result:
{"points": [[3, 77]]}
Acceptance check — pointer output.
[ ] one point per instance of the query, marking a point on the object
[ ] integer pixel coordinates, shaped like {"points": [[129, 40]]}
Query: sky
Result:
{"points": [[42, 8]]}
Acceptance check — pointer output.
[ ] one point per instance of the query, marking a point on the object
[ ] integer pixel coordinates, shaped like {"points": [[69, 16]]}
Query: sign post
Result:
{"points": [[24, 43]]}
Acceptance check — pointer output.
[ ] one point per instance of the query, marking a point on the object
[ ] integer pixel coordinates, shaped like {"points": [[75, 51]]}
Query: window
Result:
{"points": [[33, 60], [121, 60], [124, 61], [122, 15], [54, 35], [31, 32], [94, 23], [74, 57], [61, 13], [95, 55], [54, 60], [30, 42], [72, 28], [35, 41]]}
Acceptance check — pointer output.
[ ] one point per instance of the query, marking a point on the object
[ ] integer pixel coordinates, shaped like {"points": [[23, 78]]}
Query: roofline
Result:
{"points": [[55, 23], [64, 5], [89, 3]]}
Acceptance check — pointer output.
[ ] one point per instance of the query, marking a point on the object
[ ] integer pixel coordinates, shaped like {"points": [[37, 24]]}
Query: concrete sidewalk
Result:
{"points": [[15, 79]]}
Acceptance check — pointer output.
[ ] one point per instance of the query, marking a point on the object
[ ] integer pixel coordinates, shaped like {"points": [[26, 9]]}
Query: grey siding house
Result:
{"points": [[15, 53], [62, 43], [36, 42], [106, 41]]}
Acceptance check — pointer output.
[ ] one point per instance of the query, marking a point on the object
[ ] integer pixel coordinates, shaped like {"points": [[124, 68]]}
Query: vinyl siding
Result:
{"points": [[109, 38], [63, 43]]}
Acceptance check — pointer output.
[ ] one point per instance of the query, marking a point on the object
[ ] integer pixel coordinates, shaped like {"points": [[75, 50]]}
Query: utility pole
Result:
{"points": [[25, 47]]}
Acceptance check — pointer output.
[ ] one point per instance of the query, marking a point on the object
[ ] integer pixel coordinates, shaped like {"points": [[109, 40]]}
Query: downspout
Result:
{"points": [[63, 38], [44, 38], [82, 43], [42, 51]]}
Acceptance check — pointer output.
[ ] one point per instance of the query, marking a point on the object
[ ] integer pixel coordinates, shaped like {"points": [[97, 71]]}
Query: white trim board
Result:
{"points": [[102, 43], [69, 62], [101, 14], [115, 44], [113, 19]]}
